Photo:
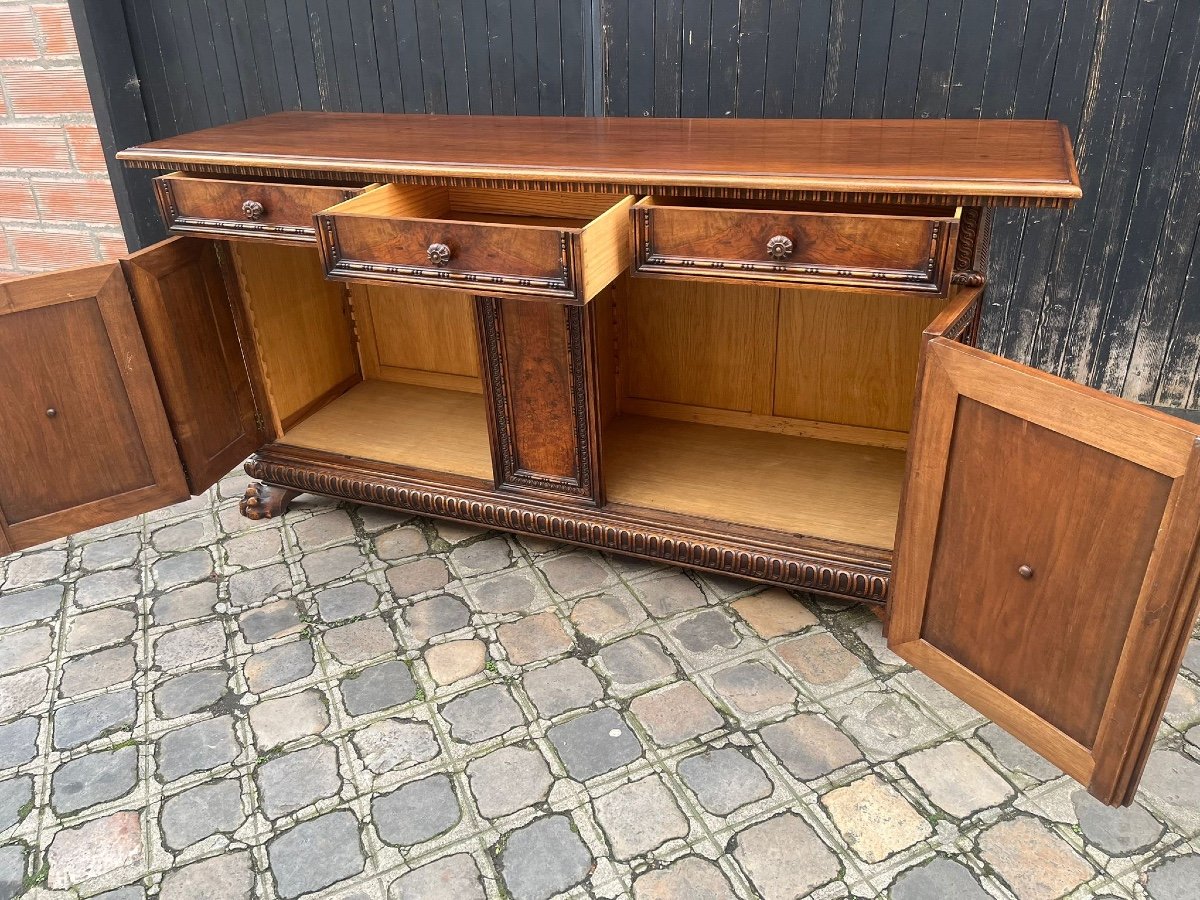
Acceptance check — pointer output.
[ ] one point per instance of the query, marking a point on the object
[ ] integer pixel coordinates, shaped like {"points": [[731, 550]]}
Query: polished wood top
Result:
{"points": [[960, 160]]}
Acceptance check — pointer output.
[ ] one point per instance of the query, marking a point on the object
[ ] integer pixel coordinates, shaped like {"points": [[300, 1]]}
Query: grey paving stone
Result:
{"points": [[190, 692], [378, 687], [482, 714], [316, 854], [784, 858], [564, 685], [121, 550], [1118, 832], [509, 592], [595, 743], [324, 530], [607, 616], [278, 666], [395, 744], [183, 535], [675, 713], [416, 812], [22, 649], [255, 549], [1171, 784], [375, 519], [634, 662], [77, 723], [437, 615], [276, 619], [95, 848], [874, 819], [34, 568], [182, 568], [453, 877], [1174, 879], [97, 671], [576, 573], [30, 606], [939, 877], [533, 638], [640, 817], [93, 779], [821, 661], [296, 780], [665, 597], [401, 543], [90, 630], [884, 724], [283, 719], [1015, 755], [421, 576], [346, 602], [724, 780], [255, 585], [104, 587], [544, 858], [21, 692], [488, 555], [202, 811], [181, 604], [774, 612], [229, 876], [325, 566], [708, 631], [129, 892], [1032, 860], [189, 645], [357, 642], [12, 870], [752, 688], [689, 878], [197, 748], [16, 798], [508, 779], [455, 660], [809, 746], [18, 742]]}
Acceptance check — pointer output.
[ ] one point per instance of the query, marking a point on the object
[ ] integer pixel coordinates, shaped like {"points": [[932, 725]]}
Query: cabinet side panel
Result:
{"points": [[300, 324]]}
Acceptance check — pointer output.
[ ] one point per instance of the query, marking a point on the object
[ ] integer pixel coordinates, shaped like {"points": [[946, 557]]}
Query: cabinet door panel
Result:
{"points": [[1046, 567], [85, 439], [187, 319]]}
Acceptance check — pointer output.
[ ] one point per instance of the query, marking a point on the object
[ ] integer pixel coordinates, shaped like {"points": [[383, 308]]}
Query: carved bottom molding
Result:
{"points": [[818, 569]]}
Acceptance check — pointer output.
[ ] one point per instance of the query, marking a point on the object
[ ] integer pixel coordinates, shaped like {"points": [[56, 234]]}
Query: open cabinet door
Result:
{"points": [[186, 313], [1046, 568], [83, 437]]}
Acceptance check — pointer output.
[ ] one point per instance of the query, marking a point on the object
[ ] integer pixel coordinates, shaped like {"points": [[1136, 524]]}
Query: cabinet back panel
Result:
{"points": [[300, 324], [417, 335], [849, 358]]}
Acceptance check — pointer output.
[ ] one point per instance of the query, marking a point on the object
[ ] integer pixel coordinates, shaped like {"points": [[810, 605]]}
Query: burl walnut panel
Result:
{"points": [[541, 391]]}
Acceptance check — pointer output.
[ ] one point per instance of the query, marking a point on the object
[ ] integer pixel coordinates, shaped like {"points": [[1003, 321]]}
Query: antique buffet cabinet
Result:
{"points": [[743, 346]]}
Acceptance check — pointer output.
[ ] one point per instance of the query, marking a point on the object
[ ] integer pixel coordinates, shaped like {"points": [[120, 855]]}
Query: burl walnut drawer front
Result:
{"points": [[500, 243], [245, 209], [852, 249]]}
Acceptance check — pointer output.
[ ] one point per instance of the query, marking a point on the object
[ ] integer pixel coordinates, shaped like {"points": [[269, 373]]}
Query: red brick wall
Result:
{"points": [[56, 205]]}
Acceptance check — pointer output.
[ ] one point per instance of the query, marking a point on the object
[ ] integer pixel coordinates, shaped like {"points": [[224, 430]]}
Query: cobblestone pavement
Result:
{"points": [[353, 703]]}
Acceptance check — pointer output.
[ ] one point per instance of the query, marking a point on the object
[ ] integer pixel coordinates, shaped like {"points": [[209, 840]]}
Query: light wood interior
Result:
{"points": [[564, 209], [826, 489]]}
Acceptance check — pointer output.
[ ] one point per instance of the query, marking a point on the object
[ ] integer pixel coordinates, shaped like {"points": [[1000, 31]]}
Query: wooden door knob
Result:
{"points": [[253, 210], [779, 247], [1025, 572], [439, 254]]}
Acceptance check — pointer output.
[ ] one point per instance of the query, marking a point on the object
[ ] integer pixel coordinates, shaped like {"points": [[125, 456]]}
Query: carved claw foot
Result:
{"points": [[265, 501]]}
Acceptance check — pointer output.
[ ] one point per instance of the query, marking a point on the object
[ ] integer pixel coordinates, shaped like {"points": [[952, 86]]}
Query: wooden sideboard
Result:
{"points": [[742, 346]]}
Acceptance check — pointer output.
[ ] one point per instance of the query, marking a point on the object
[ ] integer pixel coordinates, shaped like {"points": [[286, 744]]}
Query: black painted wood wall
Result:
{"points": [[1107, 294]]}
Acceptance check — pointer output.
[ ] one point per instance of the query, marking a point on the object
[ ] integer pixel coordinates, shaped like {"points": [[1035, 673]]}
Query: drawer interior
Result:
{"points": [[552, 209]]}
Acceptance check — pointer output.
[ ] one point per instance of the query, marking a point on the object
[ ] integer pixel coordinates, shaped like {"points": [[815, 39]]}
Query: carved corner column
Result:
{"points": [[971, 261], [540, 383]]}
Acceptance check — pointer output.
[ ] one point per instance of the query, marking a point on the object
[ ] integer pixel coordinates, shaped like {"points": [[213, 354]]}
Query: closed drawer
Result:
{"points": [[907, 251], [499, 243], [261, 210]]}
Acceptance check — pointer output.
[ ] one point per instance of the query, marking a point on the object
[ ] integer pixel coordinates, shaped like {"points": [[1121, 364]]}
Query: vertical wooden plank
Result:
{"points": [[524, 34], [841, 60], [614, 26], [1179, 384], [904, 59], [550, 52], [576, 42], [442, 57], [641, 57], [971, 49], [785, 67], [874, 40], [363, 56], [409, 57], [694, 74], [753, 25], [937, 58], [259, 39], [668, 56], [231, 79], [477, 63], [388, 54], [723, 58], [241, 47], [281, 52], [812, 59], [500, 56]]}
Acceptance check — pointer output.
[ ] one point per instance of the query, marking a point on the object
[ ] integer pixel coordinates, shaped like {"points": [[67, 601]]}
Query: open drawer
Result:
{"points": [[499, 243], [263, 210], [860, 248]]}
